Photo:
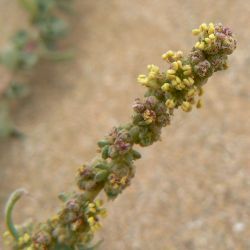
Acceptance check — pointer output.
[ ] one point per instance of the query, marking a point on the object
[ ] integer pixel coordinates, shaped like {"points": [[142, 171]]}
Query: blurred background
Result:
{"points": [[192, 189]]}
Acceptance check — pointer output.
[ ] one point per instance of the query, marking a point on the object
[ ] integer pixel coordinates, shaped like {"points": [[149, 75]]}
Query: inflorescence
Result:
{"points": [[181, 85]]}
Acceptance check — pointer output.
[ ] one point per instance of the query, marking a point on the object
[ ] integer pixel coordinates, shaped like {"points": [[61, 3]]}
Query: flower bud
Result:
{"points": [[186, 106], [203, 69]]}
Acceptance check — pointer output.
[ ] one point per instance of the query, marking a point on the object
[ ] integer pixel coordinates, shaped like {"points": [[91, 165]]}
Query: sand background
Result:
{"points": [[192, 190]]}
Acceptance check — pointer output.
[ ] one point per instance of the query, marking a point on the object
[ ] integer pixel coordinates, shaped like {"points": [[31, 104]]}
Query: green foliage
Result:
{"points": [[27, 48], [52, 29], [6, 125], [16, 90], [43, 17]]}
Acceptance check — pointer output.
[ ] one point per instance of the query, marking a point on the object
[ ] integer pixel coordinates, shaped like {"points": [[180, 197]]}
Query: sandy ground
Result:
{"points": [[192, 190]]}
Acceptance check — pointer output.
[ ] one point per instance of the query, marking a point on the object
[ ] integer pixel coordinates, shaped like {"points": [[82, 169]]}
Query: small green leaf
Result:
{"points": [[102, 143], [101, 175], [105, 152], [136, 154]]}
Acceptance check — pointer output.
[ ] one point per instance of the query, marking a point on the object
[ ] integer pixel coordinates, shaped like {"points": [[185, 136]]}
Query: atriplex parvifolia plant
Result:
{"points": [[73, 226], [27, 48]]}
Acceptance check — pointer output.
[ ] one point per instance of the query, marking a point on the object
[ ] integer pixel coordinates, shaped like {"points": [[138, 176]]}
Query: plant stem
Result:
{"points": [[15, 196]]}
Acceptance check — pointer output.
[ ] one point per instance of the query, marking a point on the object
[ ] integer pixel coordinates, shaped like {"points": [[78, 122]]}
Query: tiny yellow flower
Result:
{"points": [[95, 227], [191, 93], [187, 72], [20, 241], [99, 203], [208, 40], [26, 237], [212, 36], [142, 79], [211, 28], [90, 205], [153, 68], [103, 213], [197, 45], [170, 103], [179, 63], [179, 54], [167, 55], [201, 46], [203, 27], [191, 80], [186, 67], [171, 72], [195, 32], [186, 81], [170, 53], [199, 104], [54, 218], [186, 106], [180, 86], [91, 221], [174, 83], [178, 80], [200, 91], [170, 77], [174, 65], [165, 87], [124, 178], [92, 210], [148, 118]]}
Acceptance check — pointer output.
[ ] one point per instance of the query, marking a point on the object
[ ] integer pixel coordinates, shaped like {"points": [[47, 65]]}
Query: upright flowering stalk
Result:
{"points": [[180, 85]]}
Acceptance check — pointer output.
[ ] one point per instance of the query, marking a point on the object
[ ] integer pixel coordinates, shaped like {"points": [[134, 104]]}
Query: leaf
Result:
{"points": [[16, 90], [6, 126], [28, 60], [101, 175], [30, 6], [102, 143], [20, 39], [10, 58], [105, 152]]}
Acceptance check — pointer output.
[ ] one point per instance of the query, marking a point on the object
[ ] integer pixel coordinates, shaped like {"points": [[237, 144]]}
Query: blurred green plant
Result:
{"points": [[27, 48], [181, 85]]}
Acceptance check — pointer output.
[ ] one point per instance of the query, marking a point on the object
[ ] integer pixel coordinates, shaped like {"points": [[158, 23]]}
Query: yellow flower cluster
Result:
{"points": [[94, 210], [189, 100], [206, 34], [152, 79], [117, 181], [179, 77], [94, 224], [171, 56], [149, 116]]}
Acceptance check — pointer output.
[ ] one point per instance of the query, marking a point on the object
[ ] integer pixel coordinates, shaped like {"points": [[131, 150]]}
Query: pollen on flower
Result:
{"points": [[149, 116], [179, 75], [153, 78], [186, 106], [170, 104]]}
